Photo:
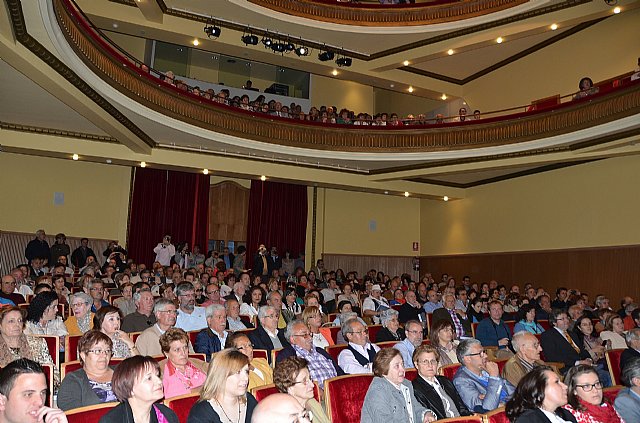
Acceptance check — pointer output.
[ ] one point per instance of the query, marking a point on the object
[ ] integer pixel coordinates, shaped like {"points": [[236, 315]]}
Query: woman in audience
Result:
{"points": [[527, 320], [60, 288], [474, 310], [224, 396], [443, 339], [107, 320], [42, 317], [82, 319], [613, 332], [398, 297], [180, 374], [391, 330], [583, 327], [125, 303], [256, 301], [435, 392], [539, 398], [512, 303], [137, 384], [168, 291], [291, 310], [586, 88], [292, 377], [585, 399], [260, 372], [313, 319], [91, 384], [390, 396], [627, 402], [348, 295]]}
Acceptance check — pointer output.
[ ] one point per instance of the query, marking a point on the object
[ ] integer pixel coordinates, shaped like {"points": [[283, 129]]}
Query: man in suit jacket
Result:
{"points": [[261, 264], [527, 357], [458, 318], [411, 309], [558, 344], [633, 342], [267, 336], [213, 338]]}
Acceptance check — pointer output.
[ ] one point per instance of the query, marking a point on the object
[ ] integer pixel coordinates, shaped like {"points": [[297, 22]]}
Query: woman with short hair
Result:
{"points": [[180, 374], [391, 330], [443, 339], [81, 320], [107, 320]]}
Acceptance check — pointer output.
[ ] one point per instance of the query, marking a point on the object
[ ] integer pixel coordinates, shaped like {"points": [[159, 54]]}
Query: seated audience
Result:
{"points": [[390, 397], [125, 303], [493, 331], [359, 355], [344, 307], [267, 336], [260, 372], [96, 292], [60, 289], [413, 330], [526, 358], [137, 384], [585, 399], [256, 297], [291, 310], [42, 317], [148, 341], [7, 290], [433, 391], [586, 88], [23, 386], [475, 309], [391, 330], [143, 318], [280, 408], [613, 332], [433, 302], [478, 380], [180, 373], [561, 345], [411, 309], [627, 403], [544, 310], [539, 399], [225, 391], [82, 319], [190, 316], [107, 320], [443, 339], [234, 322], [91, 384], [596, 347], [313, 319], [458, 318], [292, 377], [374, 304], [527, 320], [633, 351], [214, 337]]}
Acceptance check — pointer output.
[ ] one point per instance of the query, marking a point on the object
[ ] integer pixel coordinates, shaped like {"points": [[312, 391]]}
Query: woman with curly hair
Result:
{"points": [[42, 316]]}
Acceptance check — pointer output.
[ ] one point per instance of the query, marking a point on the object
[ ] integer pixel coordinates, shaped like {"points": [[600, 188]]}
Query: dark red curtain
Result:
{"points": [[167, 202], [277, 217]]}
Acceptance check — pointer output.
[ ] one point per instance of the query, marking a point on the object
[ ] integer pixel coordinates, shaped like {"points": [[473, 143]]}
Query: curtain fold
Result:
{"points": [[277, 217], [166, 202]]}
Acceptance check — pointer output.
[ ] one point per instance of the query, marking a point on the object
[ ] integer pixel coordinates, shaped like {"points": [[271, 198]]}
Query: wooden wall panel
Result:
{"points": [[391, 265], [228, 211], [612, 271]]}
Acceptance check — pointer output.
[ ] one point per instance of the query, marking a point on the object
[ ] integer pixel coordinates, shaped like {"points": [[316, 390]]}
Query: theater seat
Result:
{"points": [[386, 344], [344, 397], [261, 354], [373, 331], [613, 361], [335, 350], [462, 419], [449, 371], [611, 393], [90, 413], [181, 405], [72, 366], [53, 344], [410, 374], [496, 416], [71, 347]]}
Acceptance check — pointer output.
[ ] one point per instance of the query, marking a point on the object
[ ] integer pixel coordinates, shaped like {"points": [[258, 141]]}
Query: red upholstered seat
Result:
{"points": [[611, 393], [613, 361], [53, 344], [334, 333], [429, 320], [91, 413], [467, 419], [386, 344], [181, 405], [334, 350], [331, 317], [511, 324], [245, 318], [344, 397], [501, 363], [545, 324], [449, 371], [261, 392], [71, 347], [373, 331], [260, 354], [496, 416], [72, 366], [192, 337], [410, 374], [474, 326]]}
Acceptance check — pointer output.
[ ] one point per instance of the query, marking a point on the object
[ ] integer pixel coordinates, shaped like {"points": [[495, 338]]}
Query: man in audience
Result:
{"points": [[493, 331], [23, 391], [38, 247], [239, 289], [462, 301], [96, 291], [321, 365], [561, 299], [527, 357], [190, 316], [544, 310], [213, 338], [148, 343], [212, 291], [274, 299], [22, 285], [625, 301], [80, 254], [330, 293], [432, 303], [360, 353], [143, 317], [478, 380], [234, 322], [267, 336], [629, 323], [561, 345], [633, 347], [8, 291], [458, 317], [411, 309], [374, 304], [602, 303], [165, 250], [413, 332], [260, 264], [279, 408]]}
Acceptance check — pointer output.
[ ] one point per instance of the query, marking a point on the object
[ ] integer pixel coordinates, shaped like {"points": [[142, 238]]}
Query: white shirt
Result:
{"points": [[189, 322], [369, 304], [248, 309], [164, 253], [350, 365], [319, 340], [235, 325]]}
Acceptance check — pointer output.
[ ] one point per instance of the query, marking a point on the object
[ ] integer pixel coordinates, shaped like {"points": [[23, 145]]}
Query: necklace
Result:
{"points": [[225, 413]]}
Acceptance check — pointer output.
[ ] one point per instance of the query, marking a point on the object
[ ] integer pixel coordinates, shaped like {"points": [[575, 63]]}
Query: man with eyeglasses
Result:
{"points": [[274, 299], [190, 316], [234, 322], [478, 380], [561, 345], [280, 408], [212, 291], [267, 336], [360, 353], [148, 343], [321, 365], [213, 338], [8, 294], [527, 357], [143, 317], [413, 332], [96, 291]]}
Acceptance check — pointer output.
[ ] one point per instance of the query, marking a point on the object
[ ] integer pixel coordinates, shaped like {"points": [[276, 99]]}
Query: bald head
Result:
{"points": [[277, 408]]}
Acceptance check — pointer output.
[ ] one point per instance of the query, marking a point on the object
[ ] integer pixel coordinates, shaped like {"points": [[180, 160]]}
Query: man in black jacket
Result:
{"points": [[267, 336], [561, 345]]}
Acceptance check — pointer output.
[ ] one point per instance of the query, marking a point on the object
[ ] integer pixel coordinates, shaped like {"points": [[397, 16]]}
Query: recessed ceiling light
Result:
{"points": [[334, 72], [108, 161], [554, 27], [205, 171], [406, 193], [445, 198], [391, 85], [499, 40], [406, 63], [75, 157], [143, 164], [115, 25], [263, 178], [196, 42], [443, 96], [617, 10], [410, 89], [386, 192], [450, 52]]}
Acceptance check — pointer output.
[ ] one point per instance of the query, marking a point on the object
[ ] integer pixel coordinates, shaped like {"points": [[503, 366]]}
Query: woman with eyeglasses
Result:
{"points": [[224, 397], [313, 319], [260, 372], [585, 399], [81, 321], [433, 391], [107, 320], [91, 384], [180, 374], [391, 330], [292, 377]]}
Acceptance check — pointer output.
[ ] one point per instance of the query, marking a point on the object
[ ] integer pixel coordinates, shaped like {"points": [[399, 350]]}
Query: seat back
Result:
{"points": [[449, 371], [181, 405], [344, 397], [261, 354], [496, 416], [474, 327], [613, 361], [71, 347], [334, 333], [373, 331], [463, 419], [53, 344], [611, 393], [410, 374], [192, 337], [546, 102], [72, 366], [501, 363], [48, 371], [90, 413], [274, 355], [545, 324], [335, 350], [386, 344], [429, 320]]}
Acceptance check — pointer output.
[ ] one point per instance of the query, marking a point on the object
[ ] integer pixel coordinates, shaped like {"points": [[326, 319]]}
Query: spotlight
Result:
{"points": [[302, 51], [289, 47], [344, 61], [250, 40], [267, 42], [278, 47], [212, 31], [326, 56]]}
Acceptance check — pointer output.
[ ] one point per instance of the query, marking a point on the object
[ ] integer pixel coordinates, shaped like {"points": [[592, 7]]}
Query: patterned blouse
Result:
{"points": [[120, 349]]}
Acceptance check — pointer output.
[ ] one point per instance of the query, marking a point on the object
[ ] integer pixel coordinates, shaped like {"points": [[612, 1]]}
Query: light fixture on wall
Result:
{"points": [[325, 56], [212, 31], [250, 39], [205, 171], [75, 157], [263, 178], [301, 51], [143, 164], [344, 62]]}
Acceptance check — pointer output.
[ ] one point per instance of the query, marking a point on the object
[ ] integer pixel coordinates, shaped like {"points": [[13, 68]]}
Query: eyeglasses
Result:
{"points": [[428, 362], [168, 311], [78, 304], [589, 387], [304, 335], [271, 316], [359, 331], [198, 290], [100, 352], [483, 352], [213, 292], [303, 381]]}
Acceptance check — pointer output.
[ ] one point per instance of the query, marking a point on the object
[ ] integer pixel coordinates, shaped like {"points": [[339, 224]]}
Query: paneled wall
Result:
{"points": [[391, 265], [228, 208], [612, 271]]}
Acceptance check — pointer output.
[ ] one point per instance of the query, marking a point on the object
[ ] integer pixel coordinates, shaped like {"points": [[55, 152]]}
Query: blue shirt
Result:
{"points": [[429, 307]]}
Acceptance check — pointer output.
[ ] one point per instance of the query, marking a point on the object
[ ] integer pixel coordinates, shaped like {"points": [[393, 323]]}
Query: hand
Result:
{"points": [[428, 417], [462, 313], [124, 337], [492, 369], [503, 342], [51, 415]]}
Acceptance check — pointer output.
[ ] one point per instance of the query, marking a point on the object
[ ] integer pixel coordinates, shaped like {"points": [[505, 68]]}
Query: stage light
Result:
{"points": [[267, 42], [344, 61], [326, 56], [288, 47], [278, 47], [212, 31], [302, 51], [250, 40]]}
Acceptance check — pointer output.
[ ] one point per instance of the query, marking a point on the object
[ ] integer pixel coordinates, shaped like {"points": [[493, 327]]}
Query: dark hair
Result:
{"points": [[10, 373], [437, 327], [576, 327], [90, 339], [286, 372], [586, 78], [98, 318], [557, 312], [233, 337], [128, 371], [39, 304], [529, 394], [570, 381], [383, 360], [241, 249], [342, 304], [523, 310], [631, 371]]}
